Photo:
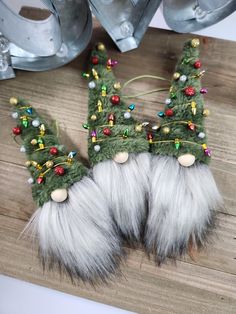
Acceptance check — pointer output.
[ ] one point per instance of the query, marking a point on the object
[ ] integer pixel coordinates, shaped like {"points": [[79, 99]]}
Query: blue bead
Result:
{"points": [[161, 114], [131, 107], [29, 110]]}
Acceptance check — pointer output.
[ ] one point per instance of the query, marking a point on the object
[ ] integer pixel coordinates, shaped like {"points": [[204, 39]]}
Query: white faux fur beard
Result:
{"points": [[78, 235], [183, 205], [126, 187]]}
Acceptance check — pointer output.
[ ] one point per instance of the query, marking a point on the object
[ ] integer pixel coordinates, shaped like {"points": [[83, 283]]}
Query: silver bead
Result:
{"points": [[36, 123], [168, 101], [183, 78], [127, 115], [201, 135], [97, 148], [155, 127], [92, 85], [30, 180], [14, 115], [22, 149]]}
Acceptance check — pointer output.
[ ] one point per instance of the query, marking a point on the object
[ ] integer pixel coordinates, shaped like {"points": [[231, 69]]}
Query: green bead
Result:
{"points": [[172, 95], [104, 87], [25, 123], [85, 126], [40, 141], [126, 133], [177, 144]]}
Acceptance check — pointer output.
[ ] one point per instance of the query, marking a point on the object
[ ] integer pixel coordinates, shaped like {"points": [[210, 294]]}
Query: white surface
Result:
{"points": [[225, 29], [19, 297]]}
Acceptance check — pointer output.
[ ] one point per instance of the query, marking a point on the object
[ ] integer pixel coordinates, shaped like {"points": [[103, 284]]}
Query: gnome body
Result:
{"points": [[117, 148], [73, 224], [183, 194]]}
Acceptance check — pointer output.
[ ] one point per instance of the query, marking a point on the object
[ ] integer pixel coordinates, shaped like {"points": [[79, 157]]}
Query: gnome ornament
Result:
{"points": [[73, 225], [117, 148], [183, 197]]}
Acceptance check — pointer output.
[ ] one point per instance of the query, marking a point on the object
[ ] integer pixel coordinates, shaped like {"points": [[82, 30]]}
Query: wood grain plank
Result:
{"points": [[144, 288], [61, 95]]}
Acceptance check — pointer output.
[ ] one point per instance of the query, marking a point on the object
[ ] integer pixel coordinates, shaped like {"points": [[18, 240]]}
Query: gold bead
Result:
{"points": [[172, 89], [34, 141], [101, 47], [117, 85], [28, 163], [195, 42], [206, 112], [165, 130], [93, 117], [49, 164], [13, 101], [138, 128], [34, 163], [176, 75]]}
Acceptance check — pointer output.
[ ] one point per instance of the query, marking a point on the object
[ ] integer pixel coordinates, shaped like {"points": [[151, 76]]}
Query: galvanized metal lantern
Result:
{"points": [[126, 21], [42, 44], [190, 15]]}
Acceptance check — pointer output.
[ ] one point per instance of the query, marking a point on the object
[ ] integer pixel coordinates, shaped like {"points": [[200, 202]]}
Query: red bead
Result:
{"points": [[191, 126], [59, 170], [169, 112], [40, 180], [107, 131], [95, 60], [53, 151], [149, 136], [16, 130], [197, 64], [115, 99], [189, 91]]}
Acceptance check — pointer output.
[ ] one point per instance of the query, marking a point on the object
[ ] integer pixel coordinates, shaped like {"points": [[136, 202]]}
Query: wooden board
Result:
{"points": [[205, 286]]}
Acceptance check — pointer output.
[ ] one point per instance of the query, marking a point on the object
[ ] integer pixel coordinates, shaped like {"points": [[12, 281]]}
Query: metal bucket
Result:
{"points": [[190, 15], [126, 21]]}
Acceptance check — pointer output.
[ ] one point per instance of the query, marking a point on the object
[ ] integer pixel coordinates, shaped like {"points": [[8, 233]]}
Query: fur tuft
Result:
{"points": [[183, 207], [125, 187], [78, 235]]}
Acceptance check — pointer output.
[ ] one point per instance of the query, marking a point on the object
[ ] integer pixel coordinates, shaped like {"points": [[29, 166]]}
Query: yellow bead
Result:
{"points": [[138, 128], [176, 75], [99, 106], [34, 141], [171, 89], [194, 107], [206, 112], [28, 163], [165, 130], [117, 85], [195, 42], [49, 164], [13, 101], [93, 117], [204, 146], [101, 47]]}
